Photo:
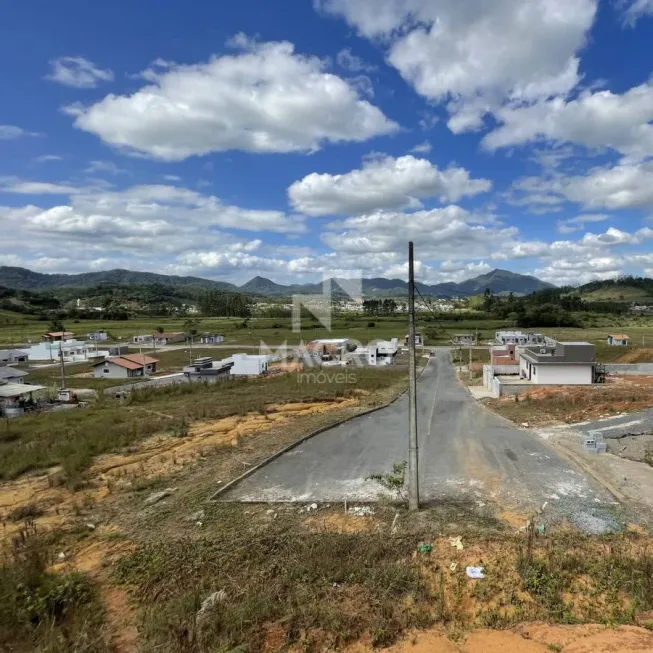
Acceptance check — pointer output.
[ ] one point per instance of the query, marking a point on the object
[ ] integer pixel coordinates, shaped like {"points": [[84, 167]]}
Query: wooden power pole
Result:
{"points": [[413, 457]]}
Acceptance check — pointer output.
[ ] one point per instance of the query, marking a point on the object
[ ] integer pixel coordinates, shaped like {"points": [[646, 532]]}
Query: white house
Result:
{"points": [[521, 338], [11, 356], [249, 364], [125, 367], [73, 351], [566, 363]]}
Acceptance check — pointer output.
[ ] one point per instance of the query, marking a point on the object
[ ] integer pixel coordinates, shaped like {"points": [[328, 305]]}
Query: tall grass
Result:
{"points": [[42, 610]]}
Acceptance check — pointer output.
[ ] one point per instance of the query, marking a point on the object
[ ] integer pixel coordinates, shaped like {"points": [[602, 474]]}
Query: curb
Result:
{"points": [[231, 484], [566, 452]]}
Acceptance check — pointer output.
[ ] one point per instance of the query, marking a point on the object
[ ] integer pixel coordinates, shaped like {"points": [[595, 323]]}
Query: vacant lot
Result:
{"points": [[72, 438], [569, 404]]}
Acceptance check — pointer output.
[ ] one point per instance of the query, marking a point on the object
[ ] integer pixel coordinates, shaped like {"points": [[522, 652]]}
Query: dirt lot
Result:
{"points": [[569, 404], [292, 577]]}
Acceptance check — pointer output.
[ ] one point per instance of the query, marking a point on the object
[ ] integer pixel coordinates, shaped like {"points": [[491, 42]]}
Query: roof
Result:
{"points": [[17, 389], [12, 352], [121, 362], [330, 341], [11, 372], [59, 334], [618, 336], [141, 359], [564, 353]]}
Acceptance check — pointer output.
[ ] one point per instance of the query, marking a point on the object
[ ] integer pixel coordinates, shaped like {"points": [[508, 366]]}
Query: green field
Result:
{"points": [[276, 331]]}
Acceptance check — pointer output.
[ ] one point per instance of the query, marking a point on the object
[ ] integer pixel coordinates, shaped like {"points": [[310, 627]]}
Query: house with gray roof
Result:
{"points": [[565, 363], [11, 356], [10, 374]]}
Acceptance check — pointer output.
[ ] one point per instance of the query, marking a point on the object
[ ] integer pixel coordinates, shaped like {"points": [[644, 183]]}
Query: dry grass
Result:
{"points": [[322, 590]]}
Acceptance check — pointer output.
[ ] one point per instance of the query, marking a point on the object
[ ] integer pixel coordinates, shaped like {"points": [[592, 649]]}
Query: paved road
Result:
{"points": [[617, 427], [466, 453]]}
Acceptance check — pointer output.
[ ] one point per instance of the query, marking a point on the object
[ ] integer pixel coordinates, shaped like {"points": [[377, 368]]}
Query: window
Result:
{"points": [[106, 370]]}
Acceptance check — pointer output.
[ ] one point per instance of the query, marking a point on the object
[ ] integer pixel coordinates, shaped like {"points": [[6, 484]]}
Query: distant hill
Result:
{"points": [[502, 281], [23, 279], [624, 289], [498, 281]]}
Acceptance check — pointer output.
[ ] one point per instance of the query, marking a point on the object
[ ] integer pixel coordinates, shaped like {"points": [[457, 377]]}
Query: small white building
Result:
{"points": [[566, 363], [211, 338], [98, 336], [249, 364]]}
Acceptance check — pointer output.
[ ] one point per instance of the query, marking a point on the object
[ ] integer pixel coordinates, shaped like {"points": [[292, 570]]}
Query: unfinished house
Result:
{"points": [[464, 339], [618, 340]]}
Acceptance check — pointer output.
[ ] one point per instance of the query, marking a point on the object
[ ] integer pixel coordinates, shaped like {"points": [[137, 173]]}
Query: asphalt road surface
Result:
{"points": [[466, 453]]}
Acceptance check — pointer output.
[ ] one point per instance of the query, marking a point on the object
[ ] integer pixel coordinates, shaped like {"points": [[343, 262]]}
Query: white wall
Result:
{"points": [[566, 374], [244, 364]]}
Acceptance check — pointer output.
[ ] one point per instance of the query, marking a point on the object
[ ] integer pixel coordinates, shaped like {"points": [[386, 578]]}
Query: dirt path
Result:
{"points": [[530, 638]]}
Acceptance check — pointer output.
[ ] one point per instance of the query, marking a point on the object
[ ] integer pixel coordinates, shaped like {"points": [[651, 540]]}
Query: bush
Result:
{"points": [[371, 324]]}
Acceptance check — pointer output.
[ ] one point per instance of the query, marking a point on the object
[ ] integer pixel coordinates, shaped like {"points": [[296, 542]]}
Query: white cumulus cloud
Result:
{"points": [[477, 53], [265, 98], [78, 72], [594, 119], [383, 183]]}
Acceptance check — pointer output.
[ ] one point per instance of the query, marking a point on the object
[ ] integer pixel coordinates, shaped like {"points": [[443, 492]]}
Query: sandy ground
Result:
{"points": [[158, 456], [627, 480], [530, 638]]}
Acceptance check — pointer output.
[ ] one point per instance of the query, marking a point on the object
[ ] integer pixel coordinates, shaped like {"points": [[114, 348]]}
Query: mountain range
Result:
{"points": [[498, 281]]}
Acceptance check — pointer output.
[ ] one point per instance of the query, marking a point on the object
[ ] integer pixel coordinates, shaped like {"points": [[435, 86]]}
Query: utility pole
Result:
{"points": [[63, 367], [413, 457], [470, 360]]}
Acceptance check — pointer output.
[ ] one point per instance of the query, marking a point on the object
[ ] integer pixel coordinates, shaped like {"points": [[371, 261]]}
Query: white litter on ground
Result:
{"points": [[361, 511], [457, 542], [475, 572]]}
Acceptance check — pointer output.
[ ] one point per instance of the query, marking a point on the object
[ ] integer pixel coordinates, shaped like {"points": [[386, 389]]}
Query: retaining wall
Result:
{"points": [[629, 369]]}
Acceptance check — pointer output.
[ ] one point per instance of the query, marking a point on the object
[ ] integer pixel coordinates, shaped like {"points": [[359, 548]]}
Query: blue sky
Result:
{"points": [[298, 139]]}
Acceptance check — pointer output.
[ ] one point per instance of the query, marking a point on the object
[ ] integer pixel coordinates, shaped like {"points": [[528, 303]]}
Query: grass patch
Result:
{"points": [[45, 611], [73, 438], [321, 590], [325, 590]]}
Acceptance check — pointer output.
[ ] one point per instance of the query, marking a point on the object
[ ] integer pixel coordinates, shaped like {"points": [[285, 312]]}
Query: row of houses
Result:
{"points": [[177, 337]]}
